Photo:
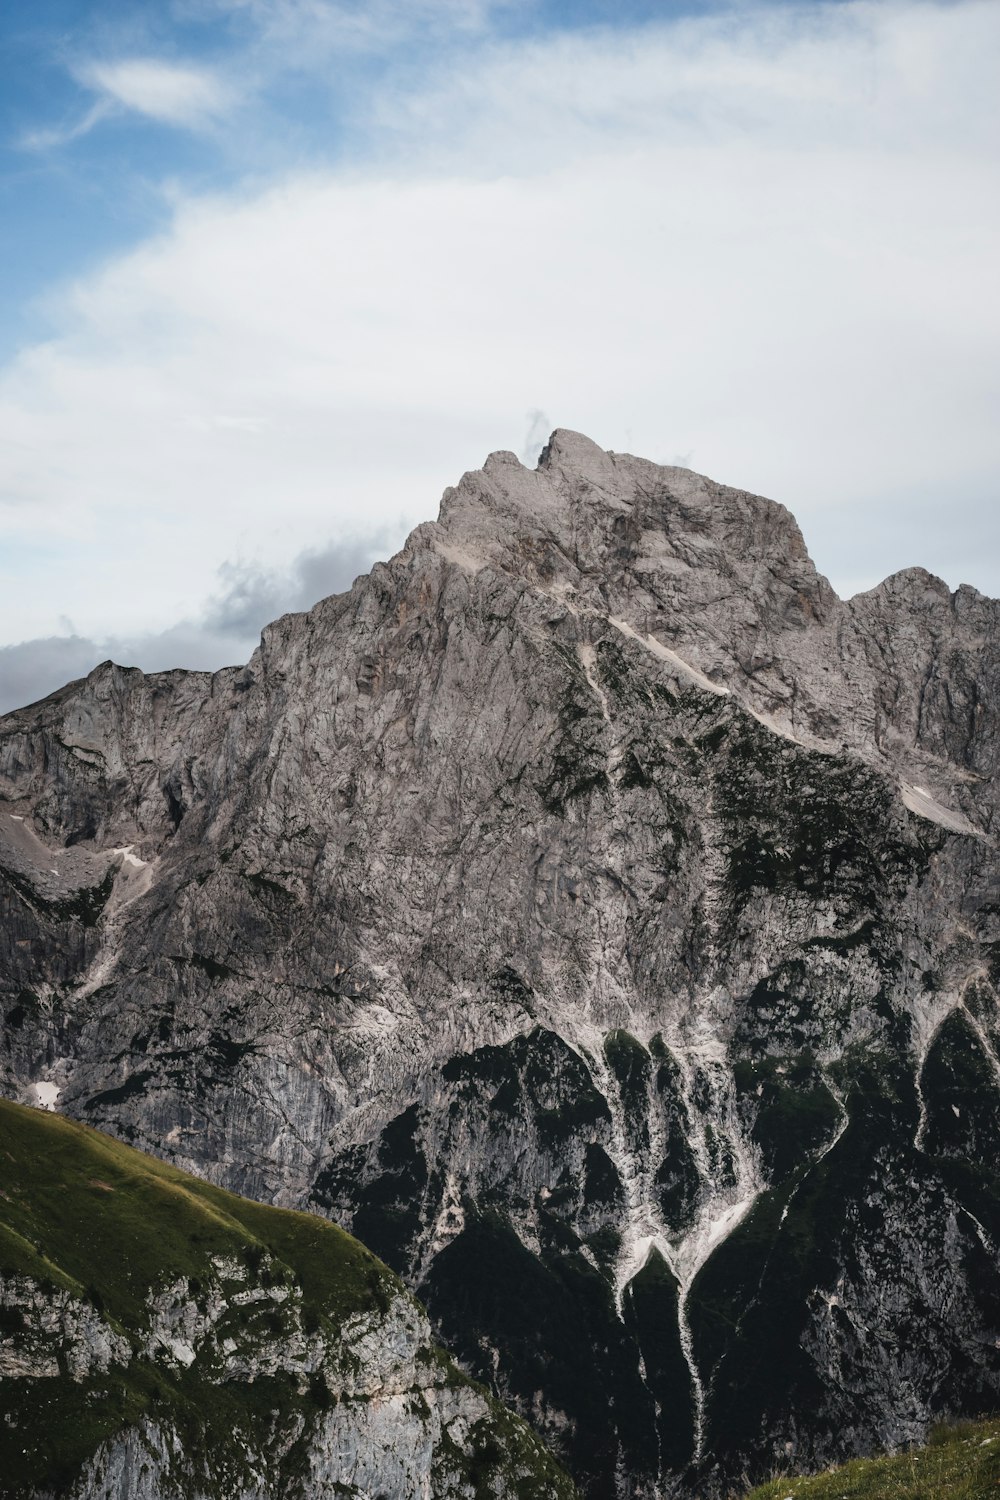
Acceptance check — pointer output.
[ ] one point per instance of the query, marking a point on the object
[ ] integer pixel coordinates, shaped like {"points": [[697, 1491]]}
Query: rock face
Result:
{"points": [[600, 918], [162, 1338]]}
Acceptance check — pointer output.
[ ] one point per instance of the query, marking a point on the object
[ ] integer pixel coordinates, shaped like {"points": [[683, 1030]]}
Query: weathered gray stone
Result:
{"points": [[589, 884], [398, 1425]]}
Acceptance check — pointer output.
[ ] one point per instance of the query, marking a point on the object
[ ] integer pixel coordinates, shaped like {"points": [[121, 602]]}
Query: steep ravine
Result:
{"points": [[596, 916]]}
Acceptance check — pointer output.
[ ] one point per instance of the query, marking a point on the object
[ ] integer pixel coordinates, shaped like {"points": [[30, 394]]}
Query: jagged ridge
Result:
{"points": [[589, 895]]}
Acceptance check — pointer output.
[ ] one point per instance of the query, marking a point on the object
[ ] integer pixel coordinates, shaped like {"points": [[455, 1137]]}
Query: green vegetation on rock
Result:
{"points": [[81, 1210], [222, 1338]]}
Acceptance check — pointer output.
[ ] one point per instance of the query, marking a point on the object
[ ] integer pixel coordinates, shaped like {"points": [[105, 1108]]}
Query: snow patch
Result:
{"points": [[781, 730], [665, 654], [918, 800], [46, 1094], [131, 860]]}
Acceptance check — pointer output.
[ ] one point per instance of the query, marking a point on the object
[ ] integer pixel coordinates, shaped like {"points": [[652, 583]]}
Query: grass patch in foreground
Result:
{"points": [[82, 1211], [961, 1462]]}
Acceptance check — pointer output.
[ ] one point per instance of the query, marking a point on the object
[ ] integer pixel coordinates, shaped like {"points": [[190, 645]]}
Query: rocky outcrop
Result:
{"points": [[373, 1411], [49, 1333], [283, 1361], [598, 916]]}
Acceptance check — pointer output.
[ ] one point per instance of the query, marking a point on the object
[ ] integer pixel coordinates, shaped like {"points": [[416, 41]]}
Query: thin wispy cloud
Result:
{"points": [[171, 93], [187, 97], [306, 30], [47, 138], [862, 75], [539, 426]]}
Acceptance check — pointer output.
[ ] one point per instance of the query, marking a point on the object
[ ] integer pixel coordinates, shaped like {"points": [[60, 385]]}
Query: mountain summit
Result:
{"points": [[599, 918]]}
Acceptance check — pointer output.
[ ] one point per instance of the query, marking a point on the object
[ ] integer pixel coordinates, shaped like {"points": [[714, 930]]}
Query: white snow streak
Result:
{"points": [[920, 801], [46, 1094], [665, 654], [130, 859]]}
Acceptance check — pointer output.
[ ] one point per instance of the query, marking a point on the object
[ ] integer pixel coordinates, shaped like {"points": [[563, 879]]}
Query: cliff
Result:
{"points": [[597, 916]]}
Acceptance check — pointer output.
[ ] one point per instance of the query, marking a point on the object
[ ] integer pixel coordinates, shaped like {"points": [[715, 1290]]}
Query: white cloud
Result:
{"points": [[169, 92], [225, 632], [907, 75], [769, 242], [190, 97], [302, 32], [61, 135]]}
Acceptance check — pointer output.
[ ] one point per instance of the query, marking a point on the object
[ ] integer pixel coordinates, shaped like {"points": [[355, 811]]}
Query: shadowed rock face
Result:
{"points": [[598, 916], [160, 1337]]}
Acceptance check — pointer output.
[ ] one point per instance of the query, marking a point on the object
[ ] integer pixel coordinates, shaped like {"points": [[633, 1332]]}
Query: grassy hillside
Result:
{"points": [[82, 1211], [83, 1214], [961, 1462]]}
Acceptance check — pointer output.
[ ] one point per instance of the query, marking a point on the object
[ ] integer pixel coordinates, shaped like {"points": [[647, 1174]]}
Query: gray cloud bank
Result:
{"points": [[226, 633]]}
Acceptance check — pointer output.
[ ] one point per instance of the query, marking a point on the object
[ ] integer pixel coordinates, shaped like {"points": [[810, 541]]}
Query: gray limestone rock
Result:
{"points": [[397, 1425], [600, 918]]}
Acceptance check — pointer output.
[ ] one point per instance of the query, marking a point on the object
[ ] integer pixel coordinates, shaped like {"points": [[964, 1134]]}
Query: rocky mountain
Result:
{"points": [[599, 918], [159, 1336]]}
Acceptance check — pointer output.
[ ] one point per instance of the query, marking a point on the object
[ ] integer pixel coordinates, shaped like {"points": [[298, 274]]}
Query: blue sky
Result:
{"points": [[88, 167], [84, 169], [277, 271]]}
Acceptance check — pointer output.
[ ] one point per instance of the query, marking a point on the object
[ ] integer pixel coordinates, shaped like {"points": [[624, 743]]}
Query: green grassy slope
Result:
{"points": [[959, 1463], [82, 1213]]}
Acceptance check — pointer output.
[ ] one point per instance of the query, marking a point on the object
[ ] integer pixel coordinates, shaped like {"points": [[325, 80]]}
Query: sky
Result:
{"points": [[276, 272]]}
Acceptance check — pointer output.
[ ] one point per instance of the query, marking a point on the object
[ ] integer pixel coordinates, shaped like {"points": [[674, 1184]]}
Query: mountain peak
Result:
{"points": [[545, 908], [722, 580], [575, 452]]}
